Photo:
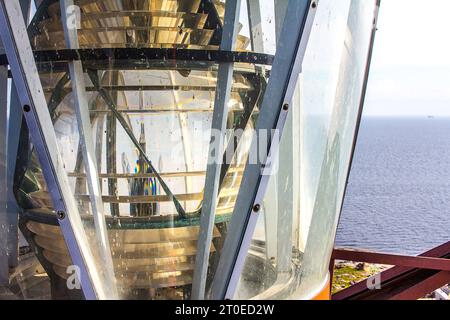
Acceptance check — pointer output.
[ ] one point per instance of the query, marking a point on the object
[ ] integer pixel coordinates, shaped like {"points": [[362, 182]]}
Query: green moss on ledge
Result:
{"points": [[347, 274]]}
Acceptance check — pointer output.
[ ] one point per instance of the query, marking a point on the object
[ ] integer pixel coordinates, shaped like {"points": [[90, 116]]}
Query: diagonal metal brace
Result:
{"points": [[113, 107]]}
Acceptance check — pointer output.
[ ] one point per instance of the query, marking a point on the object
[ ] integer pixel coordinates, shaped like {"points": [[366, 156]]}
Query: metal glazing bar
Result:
{"points": [[250, 100], [113, 107], [10, 125], [157, 110], [277, 209], [280, 13], [87, 145], [256, 30], [152, 175], [286, 68], [216, 149], [58, 95], [20, 56], [4, 231], [111, 143], [185, 136], [14, 127], [144, 56], [281, 230], [155, 88]]}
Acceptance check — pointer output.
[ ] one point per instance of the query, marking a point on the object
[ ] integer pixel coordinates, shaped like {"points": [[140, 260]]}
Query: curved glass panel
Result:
{"points": [[149, 121], [193, 24], [294, 238], [137, 162]]}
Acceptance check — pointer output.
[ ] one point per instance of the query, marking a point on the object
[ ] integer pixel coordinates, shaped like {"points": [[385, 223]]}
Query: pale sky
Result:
{"points": [[411, 64], [410, 72]]}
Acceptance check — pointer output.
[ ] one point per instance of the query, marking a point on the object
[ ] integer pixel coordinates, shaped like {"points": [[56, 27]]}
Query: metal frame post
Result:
{"points": [[284, 199], [14, 126], [186, 141], [270, 207], [285, 185], [87, 145], [286, 68], [280, 7], [216, 150], [4, 223], [10, 124], [20, 56], [256, 30]]}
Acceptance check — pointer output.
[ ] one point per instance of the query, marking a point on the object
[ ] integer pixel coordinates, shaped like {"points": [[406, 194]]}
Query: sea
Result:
{"points": [[398, 195]]}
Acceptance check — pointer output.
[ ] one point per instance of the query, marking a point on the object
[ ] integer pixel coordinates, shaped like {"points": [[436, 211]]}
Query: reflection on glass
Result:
{"points": [[151, 126], [292, 245]]}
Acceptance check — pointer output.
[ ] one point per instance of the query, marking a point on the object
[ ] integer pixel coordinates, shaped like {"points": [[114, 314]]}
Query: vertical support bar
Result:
{"points": [[275, 106], [271, 219], [113, 108], [15, 122], [10, 124], [278, 213], [216, 149], [20, 56], [285, 195], [271, 206], [185, 135], [4, 223], [87, 143], [280, 13], [285, 198], [256, 29], [111, 144]]}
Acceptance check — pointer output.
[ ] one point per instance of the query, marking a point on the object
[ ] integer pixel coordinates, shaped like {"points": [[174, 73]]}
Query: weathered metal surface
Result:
{"points": [[392, 259], [424, 287], [400, 279]]}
